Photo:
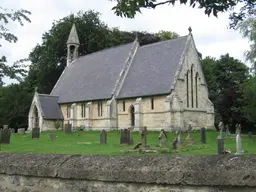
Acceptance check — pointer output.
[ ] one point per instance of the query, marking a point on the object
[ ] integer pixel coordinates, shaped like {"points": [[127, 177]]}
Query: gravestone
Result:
{"points": [[5, 126], [143, 134], [52, 137], [179, 137], [220, 142], [174, 143], [203, 136], [125, 137], [250, 135], [12, 130], [221, 127], [238, 129], [35, 133], [103, 137], [21, 131], [227, 131], [239, 149], [162, 138], [5, 135], [121, 136], [68, 129], [130, 141], [189, 137]]}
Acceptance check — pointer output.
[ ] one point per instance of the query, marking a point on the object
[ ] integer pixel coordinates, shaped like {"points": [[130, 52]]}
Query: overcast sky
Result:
{"points": [[212, 35]]}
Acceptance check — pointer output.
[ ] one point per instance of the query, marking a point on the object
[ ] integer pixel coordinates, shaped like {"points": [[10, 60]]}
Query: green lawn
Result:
{"points": [[88, 143]]}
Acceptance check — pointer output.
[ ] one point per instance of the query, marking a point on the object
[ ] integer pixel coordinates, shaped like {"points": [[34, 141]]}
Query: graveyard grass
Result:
{"points": [[88, 143]]}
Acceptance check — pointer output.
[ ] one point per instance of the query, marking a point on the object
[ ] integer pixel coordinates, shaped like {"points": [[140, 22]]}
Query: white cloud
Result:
{"points": [[211, 34]]}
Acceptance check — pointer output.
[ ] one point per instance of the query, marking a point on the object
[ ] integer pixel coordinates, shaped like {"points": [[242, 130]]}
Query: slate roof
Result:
{"points": [[153, 69], [50, 107], [93, 76]]}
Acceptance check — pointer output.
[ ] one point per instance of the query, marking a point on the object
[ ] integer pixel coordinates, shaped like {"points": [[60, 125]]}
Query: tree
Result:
{"points": [[129, 8], [248, 30], [248, 89], [223, 76], [5, 17], [166, 35]]}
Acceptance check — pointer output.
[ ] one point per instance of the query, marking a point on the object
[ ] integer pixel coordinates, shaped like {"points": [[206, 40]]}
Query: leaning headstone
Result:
{"points": [[189, 137], [68, 129], [35, 133], [162, 138], [203, 135], [221, 127], [179, 137], [21, 131], [52, 137], [239, 149], [5, 135], [103, 137], [220, 141]]}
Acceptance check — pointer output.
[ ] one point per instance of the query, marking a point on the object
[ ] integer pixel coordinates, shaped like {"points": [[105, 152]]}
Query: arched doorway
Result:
{"points": [[132, 116]]}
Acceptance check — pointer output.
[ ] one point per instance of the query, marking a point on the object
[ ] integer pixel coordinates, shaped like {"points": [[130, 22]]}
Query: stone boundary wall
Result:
{"points": [[172, 173]]}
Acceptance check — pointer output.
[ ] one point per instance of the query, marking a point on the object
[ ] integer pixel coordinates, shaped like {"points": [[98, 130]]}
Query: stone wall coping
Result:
{"points": [[194, 170]]}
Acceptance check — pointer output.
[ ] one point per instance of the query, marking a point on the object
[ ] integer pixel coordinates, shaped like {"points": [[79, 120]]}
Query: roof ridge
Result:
{"points": [[47, 95], [106, 49], [159, 42]]}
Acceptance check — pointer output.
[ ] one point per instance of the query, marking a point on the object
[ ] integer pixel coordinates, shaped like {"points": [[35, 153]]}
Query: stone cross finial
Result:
{"points": [[190, 30]]}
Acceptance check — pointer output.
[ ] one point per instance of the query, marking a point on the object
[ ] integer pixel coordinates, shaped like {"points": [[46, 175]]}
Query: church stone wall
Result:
{"points": [[203, 115], [124, 120]]}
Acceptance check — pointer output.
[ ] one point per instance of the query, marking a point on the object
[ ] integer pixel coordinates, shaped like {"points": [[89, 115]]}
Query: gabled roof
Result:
{"points": [[50, 107], [153, 69], [93, 76]]}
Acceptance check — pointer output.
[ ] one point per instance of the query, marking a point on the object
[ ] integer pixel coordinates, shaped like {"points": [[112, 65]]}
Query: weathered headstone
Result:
{"points": [[5, 126], [143, 133], [220, 141], [189, 137], [68, 128], [162, 138], [5, 135], [21, 131], [12, 130], [103, 137], [52, 137], [227, 131], [203, 135], [221, 127], [130, 141], [179, 137], [35, 133], [174, 143], [250, 135], [121, 136], [238, 129], [239, 149]]}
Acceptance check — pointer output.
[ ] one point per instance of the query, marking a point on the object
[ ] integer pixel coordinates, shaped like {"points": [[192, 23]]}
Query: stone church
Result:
{"points": [[160, 85]]}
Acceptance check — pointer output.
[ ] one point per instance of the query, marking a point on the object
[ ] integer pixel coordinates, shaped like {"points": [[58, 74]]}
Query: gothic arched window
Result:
{"points": [[187, 87], [196, 84], [192, 90]]}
